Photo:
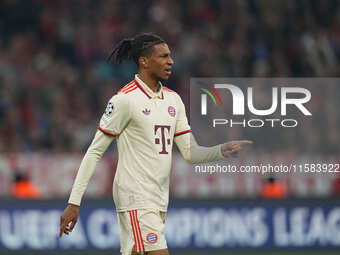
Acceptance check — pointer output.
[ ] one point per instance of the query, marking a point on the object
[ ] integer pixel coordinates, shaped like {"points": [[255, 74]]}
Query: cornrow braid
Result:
{"points": [[133, 48]]}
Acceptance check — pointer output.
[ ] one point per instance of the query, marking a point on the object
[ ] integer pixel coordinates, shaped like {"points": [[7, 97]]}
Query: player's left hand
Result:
{"points": [[231, 149]]}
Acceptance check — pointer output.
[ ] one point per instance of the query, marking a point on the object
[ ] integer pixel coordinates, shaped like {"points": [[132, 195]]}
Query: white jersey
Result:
{"points": [[145, 124]]}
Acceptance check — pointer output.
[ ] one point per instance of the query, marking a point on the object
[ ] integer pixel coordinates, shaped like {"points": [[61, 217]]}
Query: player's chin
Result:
{"points": [[165, 76]]}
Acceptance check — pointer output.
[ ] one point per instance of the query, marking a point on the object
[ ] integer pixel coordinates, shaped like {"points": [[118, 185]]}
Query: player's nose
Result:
{"points": [[170, 61]]}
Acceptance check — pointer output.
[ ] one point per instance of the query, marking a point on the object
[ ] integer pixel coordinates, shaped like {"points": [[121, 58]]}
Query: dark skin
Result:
{"points": [[68, 219], [157, 67], [152, 69]]}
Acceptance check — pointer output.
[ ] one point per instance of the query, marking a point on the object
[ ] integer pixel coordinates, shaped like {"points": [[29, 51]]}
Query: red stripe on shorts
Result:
{"points": [[139, 239], [140, 234], [137, 247]]}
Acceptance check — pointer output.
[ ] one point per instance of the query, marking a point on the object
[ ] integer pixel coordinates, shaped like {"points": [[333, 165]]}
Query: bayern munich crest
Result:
{"points": [[172, 111], [151, 238]]}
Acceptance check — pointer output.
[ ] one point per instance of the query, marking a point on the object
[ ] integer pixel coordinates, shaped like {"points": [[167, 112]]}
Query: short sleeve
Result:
{"points": [[116, 115], [182, 125]]}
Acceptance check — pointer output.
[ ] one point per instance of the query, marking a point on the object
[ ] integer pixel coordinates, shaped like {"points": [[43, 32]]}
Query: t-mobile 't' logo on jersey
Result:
{"points": [[163, 139]]}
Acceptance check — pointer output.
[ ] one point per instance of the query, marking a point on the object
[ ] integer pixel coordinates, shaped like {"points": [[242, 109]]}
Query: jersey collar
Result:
{"points": [[147, 91]]}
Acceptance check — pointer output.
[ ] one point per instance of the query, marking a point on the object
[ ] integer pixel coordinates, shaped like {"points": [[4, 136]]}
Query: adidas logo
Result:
{"points": [[146, 111]]}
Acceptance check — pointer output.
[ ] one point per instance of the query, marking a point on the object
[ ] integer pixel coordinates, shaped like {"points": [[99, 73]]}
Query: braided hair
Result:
{"points": [[133, 48]]}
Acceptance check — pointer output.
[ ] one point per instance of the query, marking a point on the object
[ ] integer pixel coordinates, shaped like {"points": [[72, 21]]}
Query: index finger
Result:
{"points": [[62, 227], [61, 232], [245, 142]]}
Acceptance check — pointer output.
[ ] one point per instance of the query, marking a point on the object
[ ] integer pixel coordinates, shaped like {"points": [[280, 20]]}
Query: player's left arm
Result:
{"points": [[232, 148], [194, 153]]}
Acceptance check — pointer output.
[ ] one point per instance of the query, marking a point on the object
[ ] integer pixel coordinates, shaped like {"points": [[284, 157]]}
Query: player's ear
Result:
{"points": [[143, 62]]}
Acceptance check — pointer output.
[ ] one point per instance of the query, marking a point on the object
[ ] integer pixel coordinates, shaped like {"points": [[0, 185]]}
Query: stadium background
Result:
{"points": [[55, 83]]}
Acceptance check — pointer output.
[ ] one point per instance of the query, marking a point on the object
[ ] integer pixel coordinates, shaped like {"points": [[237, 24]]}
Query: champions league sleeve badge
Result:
{"points": [[109, 109]]}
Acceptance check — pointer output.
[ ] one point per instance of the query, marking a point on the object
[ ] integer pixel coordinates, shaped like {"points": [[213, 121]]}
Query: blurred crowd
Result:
{"points": [[55, 80]]}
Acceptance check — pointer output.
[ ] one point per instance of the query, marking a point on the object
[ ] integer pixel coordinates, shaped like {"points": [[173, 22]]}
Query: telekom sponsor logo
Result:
{"points": [[163, 139]]}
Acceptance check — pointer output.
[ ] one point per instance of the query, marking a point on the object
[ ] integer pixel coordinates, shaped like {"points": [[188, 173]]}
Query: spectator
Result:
{"points": [[22, 188], [54, 79], [273, 189]]}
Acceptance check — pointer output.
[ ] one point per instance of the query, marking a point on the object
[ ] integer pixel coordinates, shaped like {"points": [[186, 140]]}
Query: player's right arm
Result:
{"points": [[113, 122], [94, 153]]}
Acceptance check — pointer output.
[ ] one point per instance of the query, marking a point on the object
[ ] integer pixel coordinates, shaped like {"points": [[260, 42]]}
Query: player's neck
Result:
{"points": [[151, 83]]}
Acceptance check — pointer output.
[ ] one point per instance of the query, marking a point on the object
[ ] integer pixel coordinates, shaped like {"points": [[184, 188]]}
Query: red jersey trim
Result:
{"points": [[146, 93], [182, 132], [130, 84], [141, 88], [130, 89], [169, 90], [105, 132]]}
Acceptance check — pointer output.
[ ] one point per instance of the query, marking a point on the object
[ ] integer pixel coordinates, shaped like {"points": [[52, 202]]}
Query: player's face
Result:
{"points": [[160, 62]]}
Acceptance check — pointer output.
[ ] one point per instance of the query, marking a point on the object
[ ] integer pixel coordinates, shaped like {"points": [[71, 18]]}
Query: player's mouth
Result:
{"points": [[168, 71]]}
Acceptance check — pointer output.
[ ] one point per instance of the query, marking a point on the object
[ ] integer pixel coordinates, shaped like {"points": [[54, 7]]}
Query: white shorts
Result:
{"points": [[141, 230]]}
